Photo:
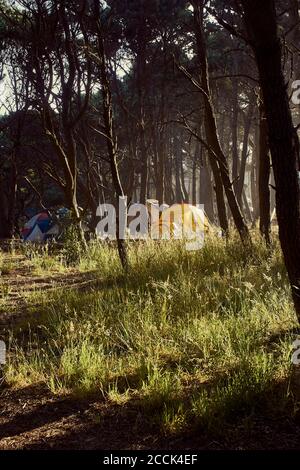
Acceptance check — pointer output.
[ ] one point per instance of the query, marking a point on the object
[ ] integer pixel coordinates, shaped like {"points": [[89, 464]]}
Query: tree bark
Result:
{"points": [[234, 133], [283, 139], [263, 178], [206, 191], [247, 127], [4, 223], [194, 175], [109, 130], [216, 152], [179, 190], [254, 170]]}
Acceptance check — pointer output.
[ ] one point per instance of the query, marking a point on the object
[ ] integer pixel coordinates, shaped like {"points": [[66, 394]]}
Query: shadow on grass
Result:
{"points": [[21, 310], [33, 418], [282, 335], [67, 422]]}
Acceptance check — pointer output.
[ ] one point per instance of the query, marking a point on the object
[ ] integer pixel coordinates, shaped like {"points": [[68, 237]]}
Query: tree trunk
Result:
{"points": [[71, 179], [4, 225], [160, 180], [294, 35], [144, 169], [283, 139], [182, 177], [141, 68], [254, 174], [234, 133], [206, 192], [170, 196], [247, 208], [263, 178], [212, 137], [247, 127], [179, 191], [109, 131], [8, 195], [219, 191], [194, 175]]}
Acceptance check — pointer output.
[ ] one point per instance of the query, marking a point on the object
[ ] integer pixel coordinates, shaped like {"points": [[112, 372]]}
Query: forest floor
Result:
{"points": [[195, 351]]}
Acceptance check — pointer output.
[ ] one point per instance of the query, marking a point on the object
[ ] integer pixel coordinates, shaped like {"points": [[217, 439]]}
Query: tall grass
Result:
{"points": [[198, 338]]}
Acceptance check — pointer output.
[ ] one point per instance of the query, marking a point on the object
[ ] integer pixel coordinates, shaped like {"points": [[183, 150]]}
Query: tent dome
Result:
{"points": [[180, 221]]}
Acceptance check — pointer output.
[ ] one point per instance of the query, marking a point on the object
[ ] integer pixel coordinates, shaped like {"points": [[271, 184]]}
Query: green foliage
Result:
{"points": [[73, 249], [5, 265]]}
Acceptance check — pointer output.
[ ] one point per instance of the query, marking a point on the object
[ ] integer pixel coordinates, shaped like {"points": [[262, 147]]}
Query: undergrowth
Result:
{"points": [[197, 338]]}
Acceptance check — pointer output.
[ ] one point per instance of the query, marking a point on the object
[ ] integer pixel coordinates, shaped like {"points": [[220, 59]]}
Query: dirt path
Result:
{"points": [[19, 283], [32, 418]]}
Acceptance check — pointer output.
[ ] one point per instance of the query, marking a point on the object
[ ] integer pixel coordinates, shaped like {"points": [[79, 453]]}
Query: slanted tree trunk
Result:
{"points": [[247, 208], [206, 192], [219, 191], [218, 187], [109, 130], [62, 139], [283, 139], [214, 146]]}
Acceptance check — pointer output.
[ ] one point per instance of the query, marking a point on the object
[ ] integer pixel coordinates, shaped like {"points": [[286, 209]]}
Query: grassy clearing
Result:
{"points": [[195, 338], [5, 266]]}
